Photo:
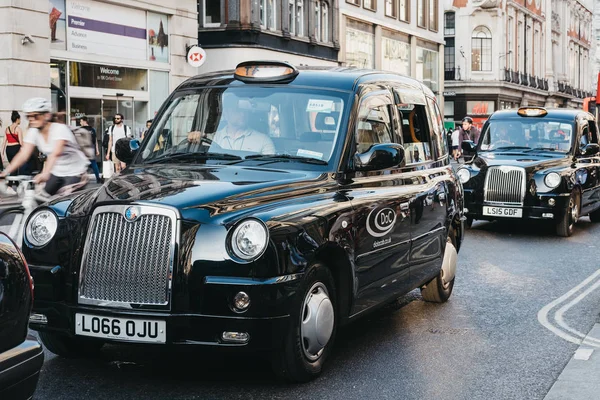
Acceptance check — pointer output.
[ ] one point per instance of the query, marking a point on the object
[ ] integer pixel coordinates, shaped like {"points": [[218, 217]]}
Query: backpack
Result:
{"points": [[106, 136], [83, 137]]}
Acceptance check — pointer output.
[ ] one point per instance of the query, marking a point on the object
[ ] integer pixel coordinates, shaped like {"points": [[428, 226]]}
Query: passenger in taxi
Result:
{"points": [[237, 133]]}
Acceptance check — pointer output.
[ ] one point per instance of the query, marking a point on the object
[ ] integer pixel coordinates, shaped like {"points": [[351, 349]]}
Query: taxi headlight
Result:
{"points": [[463, 175], [249, 239], [41, 228], [552, 180]]}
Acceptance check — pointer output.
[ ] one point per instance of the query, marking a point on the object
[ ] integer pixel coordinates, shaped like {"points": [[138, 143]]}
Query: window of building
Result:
{"points": [[449, 24], [296, 17], [421, 13], [510, 42], [520, 48], [433, 15], [391, 8], [395, 53], [322, 21], [212, 13], [268, 14], [428, 65], [355, 2], [481, 49], [374, 123], [415, 132], [404, 8], [536, 53], [360, 45], [370, 5], [449, 59]]}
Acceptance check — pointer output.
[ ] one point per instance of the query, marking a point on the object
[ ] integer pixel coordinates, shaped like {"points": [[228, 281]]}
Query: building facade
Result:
{"points": [[508, 53], [302, 32], [95, 57], [402, 36]]}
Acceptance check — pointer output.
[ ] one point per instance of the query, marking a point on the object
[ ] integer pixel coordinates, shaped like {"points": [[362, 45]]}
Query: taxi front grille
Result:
{"points": [[128, 262], [505, 185]]}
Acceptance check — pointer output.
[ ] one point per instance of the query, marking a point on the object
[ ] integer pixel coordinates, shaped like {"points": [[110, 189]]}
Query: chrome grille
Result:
{"points": [[505, 185], [128, 262]]}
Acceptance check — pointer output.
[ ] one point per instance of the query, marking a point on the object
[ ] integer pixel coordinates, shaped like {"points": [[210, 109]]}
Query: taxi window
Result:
{"points": [[248, 121], [374, 123], [542, 134], [437, 134], [415, 132]]}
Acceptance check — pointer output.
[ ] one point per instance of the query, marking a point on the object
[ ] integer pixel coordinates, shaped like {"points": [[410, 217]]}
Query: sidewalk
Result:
{"points": [[580, 380]]}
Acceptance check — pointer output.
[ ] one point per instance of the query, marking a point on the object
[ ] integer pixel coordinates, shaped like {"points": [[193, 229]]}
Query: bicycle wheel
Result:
{"points": [[11, 223]]}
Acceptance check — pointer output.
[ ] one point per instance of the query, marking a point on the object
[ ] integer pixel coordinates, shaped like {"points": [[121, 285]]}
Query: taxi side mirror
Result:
{"points": [[590, 149], [126, 148], [380, 156]]}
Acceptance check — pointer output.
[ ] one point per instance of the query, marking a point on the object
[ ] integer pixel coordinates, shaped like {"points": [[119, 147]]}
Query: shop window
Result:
{"points": [[481, 49], [374, 124], [395, 53], [415, 133], [433, 15], [360, 45], [427, 66], [322, 21], [212, 13], [296, 17], [404, 8], [391, 8], [268, 14]]}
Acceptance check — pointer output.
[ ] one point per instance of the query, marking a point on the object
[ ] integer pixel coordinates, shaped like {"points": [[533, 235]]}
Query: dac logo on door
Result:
{"points": [[381, 221]]}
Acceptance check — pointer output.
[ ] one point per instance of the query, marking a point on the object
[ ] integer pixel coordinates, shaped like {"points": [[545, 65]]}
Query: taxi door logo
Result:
{"points": [[381, 221]]}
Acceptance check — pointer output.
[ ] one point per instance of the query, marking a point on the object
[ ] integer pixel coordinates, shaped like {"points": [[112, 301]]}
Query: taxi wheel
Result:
{"points": [[70, 347], [565, 226], [313, 325], [439, 289]]}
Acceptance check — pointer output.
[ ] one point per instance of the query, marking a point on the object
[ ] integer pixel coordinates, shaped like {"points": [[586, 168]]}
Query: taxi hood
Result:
{"points": [[223, 188], [525, 160]]}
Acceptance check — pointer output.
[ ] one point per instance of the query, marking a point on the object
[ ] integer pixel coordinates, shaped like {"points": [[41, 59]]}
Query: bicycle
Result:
{"points": [[12, 219]]}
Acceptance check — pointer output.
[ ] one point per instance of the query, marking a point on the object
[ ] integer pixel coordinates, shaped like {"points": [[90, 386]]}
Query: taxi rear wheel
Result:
{"points": [[70, 347], [439, 289], [312, 329], [567, 223]]}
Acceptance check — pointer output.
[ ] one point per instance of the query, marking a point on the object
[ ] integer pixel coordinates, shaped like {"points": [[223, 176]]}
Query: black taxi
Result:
{"points": [[537, 164], [265, 208]]}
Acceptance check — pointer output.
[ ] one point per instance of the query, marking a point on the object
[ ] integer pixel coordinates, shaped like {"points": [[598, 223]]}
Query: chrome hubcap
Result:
{"points": [[449, 264], [317, 321], [574, 211]]}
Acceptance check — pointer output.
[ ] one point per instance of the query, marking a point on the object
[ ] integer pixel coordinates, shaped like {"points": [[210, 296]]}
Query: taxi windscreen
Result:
{"points": [[247, 123], [542, 134]]}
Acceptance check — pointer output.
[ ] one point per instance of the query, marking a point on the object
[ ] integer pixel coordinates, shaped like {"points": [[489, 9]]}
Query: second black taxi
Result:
{"points": [[535, 163], [266, 207]]}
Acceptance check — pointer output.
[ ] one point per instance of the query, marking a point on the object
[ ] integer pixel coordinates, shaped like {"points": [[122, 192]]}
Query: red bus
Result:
{"points": [[589, 105]]}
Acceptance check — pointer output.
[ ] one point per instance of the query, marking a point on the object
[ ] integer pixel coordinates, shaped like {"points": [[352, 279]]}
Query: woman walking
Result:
{"points": [[14, 141]]}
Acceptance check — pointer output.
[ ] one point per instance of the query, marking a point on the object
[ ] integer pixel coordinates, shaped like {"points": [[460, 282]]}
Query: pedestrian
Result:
{"points": [[14, 142], [467, 131], [83, 121], [456, 151], [117, 131], [148, 125], [65, 169]]}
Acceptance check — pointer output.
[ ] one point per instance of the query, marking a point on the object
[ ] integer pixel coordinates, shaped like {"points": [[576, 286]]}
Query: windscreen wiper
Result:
{"points": [[194, 156], [513, 148], [285, 157]]}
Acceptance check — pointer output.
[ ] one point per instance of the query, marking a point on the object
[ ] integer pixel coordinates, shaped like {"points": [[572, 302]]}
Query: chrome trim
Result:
{"points": [[368, 253], [145, 209], [511, 188], [235, 281]]}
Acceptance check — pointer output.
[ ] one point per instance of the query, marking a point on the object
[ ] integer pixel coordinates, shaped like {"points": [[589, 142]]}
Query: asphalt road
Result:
{"points": [[485, 343]]}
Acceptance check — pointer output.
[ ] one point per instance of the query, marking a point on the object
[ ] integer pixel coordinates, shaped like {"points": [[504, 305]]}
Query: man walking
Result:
{"points": [[467, 132], [83, 121], [117, 131]]}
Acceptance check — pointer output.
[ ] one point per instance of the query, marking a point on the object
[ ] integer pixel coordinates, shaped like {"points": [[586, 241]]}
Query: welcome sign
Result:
{"points": [[101, 28]]}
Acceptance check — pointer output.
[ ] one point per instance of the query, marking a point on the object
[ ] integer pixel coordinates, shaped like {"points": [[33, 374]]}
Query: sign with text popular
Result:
{"points": [[100, 28]]}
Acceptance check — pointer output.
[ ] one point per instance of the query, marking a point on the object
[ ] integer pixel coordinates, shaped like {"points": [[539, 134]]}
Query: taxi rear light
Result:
{"points": [[532, 111], [265, 71]]}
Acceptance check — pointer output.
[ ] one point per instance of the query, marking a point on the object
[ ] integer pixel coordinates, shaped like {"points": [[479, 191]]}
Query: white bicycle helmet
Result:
{"points": [[37, 105]]}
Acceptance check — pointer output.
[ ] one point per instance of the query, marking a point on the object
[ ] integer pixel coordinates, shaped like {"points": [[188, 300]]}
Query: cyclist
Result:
{"points": [[66, 165]]}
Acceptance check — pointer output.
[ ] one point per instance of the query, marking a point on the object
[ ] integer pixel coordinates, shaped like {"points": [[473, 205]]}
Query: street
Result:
{"points": [[485, 343]]}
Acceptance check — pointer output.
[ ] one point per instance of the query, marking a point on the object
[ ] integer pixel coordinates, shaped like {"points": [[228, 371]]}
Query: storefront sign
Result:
{"points": [[102, 28], [196, 56], [449, 94], [480, 107], [108, 77]]}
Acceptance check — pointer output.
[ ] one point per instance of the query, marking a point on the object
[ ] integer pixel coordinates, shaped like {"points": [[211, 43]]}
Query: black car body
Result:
{"points": [[535, 164], [21, 356], [194, 244]]}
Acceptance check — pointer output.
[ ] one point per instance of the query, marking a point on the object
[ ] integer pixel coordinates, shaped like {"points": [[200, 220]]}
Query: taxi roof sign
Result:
{"points": [[532, 111], [265, 71]]}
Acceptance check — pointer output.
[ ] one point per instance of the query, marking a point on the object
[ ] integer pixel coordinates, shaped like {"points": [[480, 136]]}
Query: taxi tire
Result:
{"points": [[434, 291], [290, 362], [564, 227], [70, 347]]}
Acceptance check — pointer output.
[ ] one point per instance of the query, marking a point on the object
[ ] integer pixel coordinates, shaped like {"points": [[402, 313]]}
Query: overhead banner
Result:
{"points": [[57, 15], [101, 28]]}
